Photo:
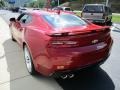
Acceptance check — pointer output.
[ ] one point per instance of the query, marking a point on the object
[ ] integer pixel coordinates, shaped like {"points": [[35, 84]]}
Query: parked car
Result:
{"points": [[22, 10], [36, 8], [97, 13], [14, 9], [62, 8], [60, 43]]}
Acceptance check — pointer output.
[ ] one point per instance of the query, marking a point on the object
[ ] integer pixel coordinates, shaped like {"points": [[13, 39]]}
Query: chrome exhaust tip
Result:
{"points": [[71, 75], [64, 76]]}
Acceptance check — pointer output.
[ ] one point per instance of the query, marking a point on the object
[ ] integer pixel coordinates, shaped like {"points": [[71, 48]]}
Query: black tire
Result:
{"points": [[28, 61], [109, 23]]}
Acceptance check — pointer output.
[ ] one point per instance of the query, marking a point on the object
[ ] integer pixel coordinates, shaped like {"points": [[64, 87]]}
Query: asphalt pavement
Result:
{"points": [[14, 75]]}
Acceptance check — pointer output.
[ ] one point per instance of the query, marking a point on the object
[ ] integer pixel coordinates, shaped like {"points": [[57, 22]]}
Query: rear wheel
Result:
{"points": [[28, 61]]}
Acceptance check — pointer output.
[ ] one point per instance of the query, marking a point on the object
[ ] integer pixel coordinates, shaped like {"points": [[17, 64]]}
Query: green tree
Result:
{"points": [[2, 3]]}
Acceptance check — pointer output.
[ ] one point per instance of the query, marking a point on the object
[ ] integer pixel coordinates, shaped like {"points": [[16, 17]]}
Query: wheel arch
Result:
{"points": [[24, 43]]}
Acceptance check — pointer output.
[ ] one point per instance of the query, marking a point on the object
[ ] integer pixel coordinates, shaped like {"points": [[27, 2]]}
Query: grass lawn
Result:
{"points": [[116, 18]]}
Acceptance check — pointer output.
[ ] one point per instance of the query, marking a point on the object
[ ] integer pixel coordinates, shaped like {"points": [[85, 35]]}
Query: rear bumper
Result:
{"points": [[67, 59], [97, 20], [59, 73]]}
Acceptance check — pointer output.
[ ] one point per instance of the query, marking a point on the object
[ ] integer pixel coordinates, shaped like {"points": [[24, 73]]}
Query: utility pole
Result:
{"points": [[107, 2], [58, 2]]}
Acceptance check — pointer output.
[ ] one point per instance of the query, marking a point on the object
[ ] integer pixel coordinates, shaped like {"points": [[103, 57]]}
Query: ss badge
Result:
{"points": [[94, 41]]}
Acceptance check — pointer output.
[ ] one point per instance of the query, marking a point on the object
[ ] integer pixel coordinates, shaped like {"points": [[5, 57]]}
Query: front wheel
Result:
{"points": [[28, 61]]}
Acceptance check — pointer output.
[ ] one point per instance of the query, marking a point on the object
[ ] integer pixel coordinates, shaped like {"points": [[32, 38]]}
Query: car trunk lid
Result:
{"points": [[79, 36]]}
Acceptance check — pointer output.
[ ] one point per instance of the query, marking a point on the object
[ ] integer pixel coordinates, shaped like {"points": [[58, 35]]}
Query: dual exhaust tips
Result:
{"points": [[67, 76]]}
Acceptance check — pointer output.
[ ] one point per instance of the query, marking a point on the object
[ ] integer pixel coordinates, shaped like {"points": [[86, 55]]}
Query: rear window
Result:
{"points": [[66, 20], [93, 9]]}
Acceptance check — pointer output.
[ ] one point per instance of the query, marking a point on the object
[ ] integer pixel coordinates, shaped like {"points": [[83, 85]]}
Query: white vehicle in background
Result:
{"points": [[97, 13], [22, 10], [36, 8], [62, 8]]}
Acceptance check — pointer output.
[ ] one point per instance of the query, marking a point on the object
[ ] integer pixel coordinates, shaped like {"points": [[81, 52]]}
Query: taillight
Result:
{"points": [[57, 43], [58, 34], [60, 43], [64, 42]]}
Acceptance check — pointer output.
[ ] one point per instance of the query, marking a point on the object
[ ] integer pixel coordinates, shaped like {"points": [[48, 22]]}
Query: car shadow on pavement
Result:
{"points": [[90, 79], [17, 76]]}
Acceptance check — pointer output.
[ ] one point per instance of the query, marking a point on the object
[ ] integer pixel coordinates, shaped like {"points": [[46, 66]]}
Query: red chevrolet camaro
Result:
{"points": [[59, 42]]}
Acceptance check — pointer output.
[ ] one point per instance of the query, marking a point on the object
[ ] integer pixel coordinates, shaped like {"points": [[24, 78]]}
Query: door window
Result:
{"points": [[25, 18]]}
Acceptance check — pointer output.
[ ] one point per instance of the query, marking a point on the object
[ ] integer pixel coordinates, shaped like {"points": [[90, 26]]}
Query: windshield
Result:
{"points": [[66, 20], [93, 9]]}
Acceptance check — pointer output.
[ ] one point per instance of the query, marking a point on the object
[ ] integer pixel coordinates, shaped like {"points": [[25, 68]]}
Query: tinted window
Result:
{"points": [[106, 10], [64, 20], [92, 9], [25, 18], [67, 9], [109, 10]]}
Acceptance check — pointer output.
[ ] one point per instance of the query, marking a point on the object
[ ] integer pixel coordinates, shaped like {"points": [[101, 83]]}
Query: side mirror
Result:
{"points": [[12, 20]]}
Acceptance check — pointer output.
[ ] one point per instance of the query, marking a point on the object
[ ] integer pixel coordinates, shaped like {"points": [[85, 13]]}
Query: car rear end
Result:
{"points": [[77, 51], [94, 13], [74, 46]]}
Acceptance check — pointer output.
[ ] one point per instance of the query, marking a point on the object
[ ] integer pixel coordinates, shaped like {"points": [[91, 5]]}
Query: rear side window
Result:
{"points": [[29, 19], [93, 9], [25, 18]]}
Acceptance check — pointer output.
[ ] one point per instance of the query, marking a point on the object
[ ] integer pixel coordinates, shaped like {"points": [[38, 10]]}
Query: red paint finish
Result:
{"points": [[60, 49]]}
